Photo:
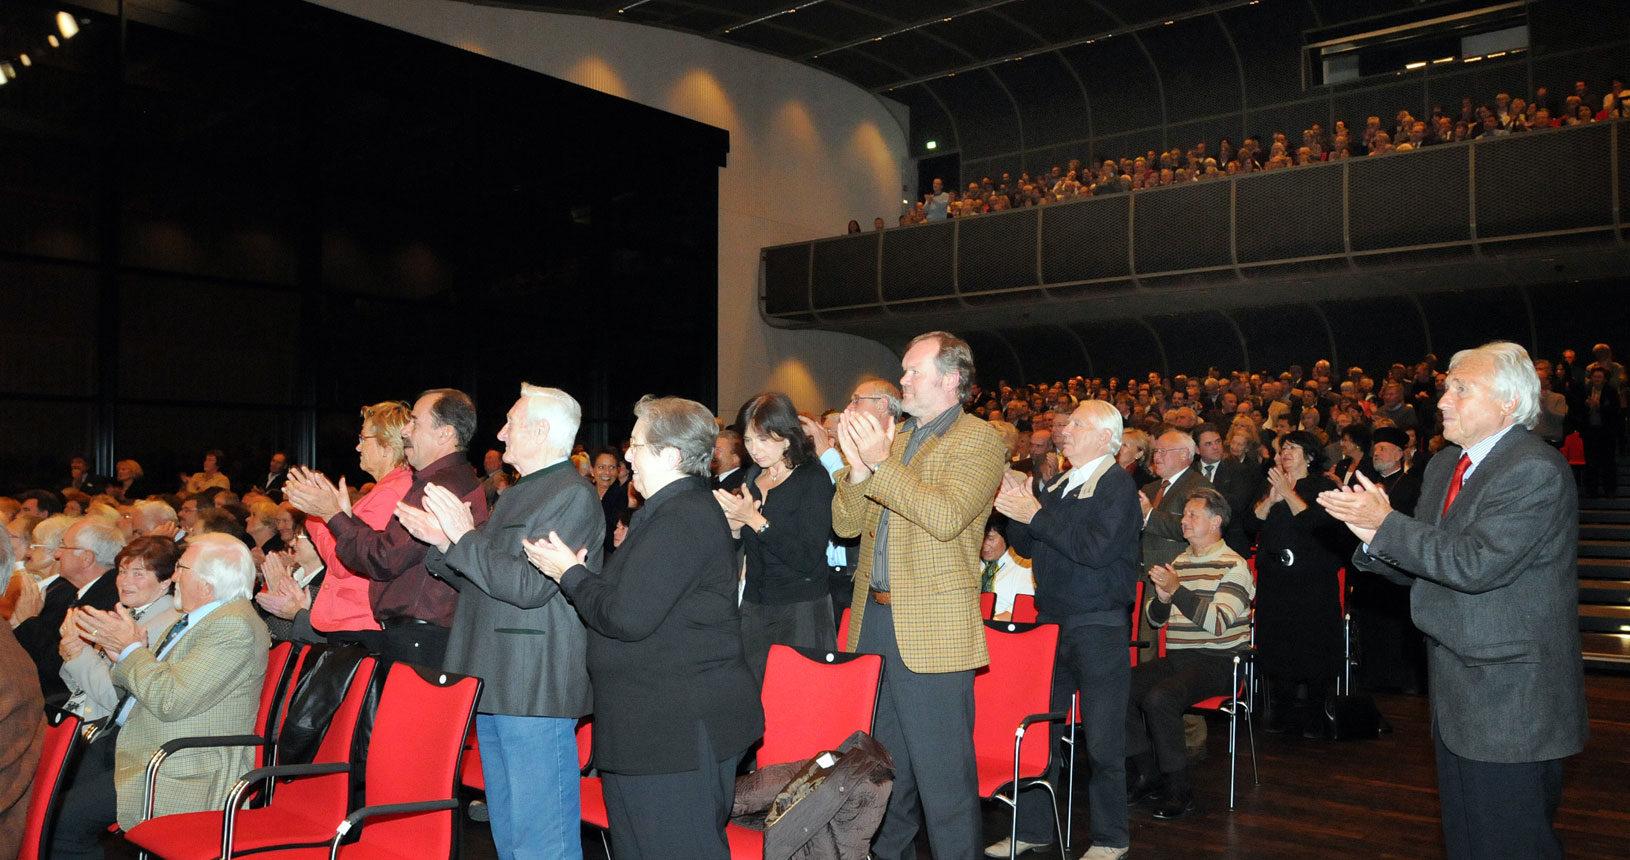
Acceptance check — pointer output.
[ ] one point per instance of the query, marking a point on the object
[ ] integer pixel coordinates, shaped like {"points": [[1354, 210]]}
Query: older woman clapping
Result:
{"points": [[675, 705], [143, 579]]}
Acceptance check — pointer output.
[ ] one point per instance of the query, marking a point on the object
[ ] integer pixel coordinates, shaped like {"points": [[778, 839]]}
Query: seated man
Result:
{"points": [[1209, 588], [203, 678]]}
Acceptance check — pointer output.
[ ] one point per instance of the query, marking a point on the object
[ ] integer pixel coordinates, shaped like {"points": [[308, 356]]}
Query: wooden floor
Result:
{"points": [[1368, 799]]}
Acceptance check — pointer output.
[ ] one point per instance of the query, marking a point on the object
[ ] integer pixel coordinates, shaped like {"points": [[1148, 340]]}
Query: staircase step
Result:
{"points": [[1605, 591], [1609, 651], [1604, 549], [1606, 504], [1603, 517], [1604, 531], [1604, 619]]}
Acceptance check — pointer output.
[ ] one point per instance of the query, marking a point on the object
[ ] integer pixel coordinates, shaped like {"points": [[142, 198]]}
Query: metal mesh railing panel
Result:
{"points": [[1085, 241], [845, 271], [997, 252], [1184, 227], [1289, 213], [786, 279], [1528, 183], [1410, 198], [917, 261]]}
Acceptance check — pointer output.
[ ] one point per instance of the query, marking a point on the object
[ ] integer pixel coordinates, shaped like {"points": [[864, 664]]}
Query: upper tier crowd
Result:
{"points": [[1078, 180], [660, 573]]}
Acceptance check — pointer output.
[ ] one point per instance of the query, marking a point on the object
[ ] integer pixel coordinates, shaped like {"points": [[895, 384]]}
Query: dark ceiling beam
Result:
{"points": [[908, 26], [1123, 30]]}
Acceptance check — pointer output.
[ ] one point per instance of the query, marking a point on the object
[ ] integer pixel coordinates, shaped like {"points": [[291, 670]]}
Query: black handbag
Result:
{"points": [[1353, 718]]}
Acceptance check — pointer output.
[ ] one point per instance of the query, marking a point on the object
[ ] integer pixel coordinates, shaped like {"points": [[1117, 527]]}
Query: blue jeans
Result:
{"points": [[530, 766]]}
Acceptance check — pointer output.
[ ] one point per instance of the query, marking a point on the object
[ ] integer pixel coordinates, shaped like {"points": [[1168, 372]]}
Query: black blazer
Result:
{"points": [[39, 636], [664, 650], [787, 564]]}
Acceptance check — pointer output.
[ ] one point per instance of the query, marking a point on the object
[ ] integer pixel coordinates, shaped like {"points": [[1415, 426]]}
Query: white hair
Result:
{"points": [[102, 538], [557, 407], [224, 563], [1514, 378], [148, 514], [1105, 416], [1186, 440], [49, 531]]}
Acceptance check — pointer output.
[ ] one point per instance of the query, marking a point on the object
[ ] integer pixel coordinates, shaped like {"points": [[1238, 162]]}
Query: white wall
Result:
{"points": [[808, 152]]}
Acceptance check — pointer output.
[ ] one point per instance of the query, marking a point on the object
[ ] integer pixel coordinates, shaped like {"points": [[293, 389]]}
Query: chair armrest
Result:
{"points": [[1246, 656], [365, 812], [1051, 716], [175, 745], [240, 791]]}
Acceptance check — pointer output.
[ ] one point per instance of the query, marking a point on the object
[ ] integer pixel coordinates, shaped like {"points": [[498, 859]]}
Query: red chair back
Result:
{"points": [[814, 700], [1024, 609], [61, 745], [414, 755], [332, 791], [987, 604], [843, 630], [1341, 587], [282, 667], [1017, 683]]}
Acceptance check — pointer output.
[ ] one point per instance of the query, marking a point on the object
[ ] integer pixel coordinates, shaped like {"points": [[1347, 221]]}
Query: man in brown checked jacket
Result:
{"points": [[919, 500]]}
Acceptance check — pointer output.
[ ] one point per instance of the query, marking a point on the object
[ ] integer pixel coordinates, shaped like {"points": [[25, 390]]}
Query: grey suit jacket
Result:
{"points": [[1162, 538], [1495, 589], [513, 628]]}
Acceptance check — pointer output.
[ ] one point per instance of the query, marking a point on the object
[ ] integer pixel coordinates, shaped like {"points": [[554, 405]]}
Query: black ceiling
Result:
{"points": [[1021, 84]]}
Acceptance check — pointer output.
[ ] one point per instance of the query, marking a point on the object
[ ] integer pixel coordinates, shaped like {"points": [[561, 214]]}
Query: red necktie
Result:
{"points": [[1454, 482], [1160, 493]]}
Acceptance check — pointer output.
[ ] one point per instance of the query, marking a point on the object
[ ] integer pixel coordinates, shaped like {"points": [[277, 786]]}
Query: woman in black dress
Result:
{"points": [[675, 706], [1298, 606], [782, 516]]}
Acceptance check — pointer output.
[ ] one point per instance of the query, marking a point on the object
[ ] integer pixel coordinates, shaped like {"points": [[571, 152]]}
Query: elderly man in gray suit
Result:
{"points": [[515, 630], [1490, 556]]}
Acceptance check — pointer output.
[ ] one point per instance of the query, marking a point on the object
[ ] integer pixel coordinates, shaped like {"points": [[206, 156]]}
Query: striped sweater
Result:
{"points": [[1212, 605]]}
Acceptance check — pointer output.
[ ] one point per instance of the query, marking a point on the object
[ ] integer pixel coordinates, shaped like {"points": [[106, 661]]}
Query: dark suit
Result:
{"points": [[1237, 482], [39, 635], [730, 482], [1391, 653], [1495, 590], [1162, 538], [1084, 546], [514, 629]]}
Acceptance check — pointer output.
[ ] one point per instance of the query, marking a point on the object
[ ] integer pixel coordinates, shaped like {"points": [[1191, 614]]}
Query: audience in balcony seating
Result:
{"points": [[1504, 116]]}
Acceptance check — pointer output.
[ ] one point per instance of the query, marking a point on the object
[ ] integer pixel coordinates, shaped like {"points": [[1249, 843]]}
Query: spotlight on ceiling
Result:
{"points": [[67, 25], [932, 144]]}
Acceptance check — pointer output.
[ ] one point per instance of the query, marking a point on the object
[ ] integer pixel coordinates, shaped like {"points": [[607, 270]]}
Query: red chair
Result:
{"points": [[1234, 705], [415, 795], [283, 664], [1010, 695], [843, 630], [301, 812], [1024, 609], [987, 604], [797, 726], [591, 791], [61, 747]]}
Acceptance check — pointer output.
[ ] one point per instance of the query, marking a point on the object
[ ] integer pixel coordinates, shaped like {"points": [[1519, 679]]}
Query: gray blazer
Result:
{"points": [[1162, 539], [513, 628], [1495, 589]]}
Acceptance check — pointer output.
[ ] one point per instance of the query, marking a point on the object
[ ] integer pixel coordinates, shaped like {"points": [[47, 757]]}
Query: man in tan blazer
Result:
{"points": [[918, 499], [203, 678]]}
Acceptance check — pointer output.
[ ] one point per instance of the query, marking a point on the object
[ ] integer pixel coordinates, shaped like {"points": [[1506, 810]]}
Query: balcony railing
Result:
{"points": [[1224, 242]]}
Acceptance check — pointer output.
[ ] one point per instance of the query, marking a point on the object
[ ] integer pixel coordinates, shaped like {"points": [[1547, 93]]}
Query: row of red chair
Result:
{"points": [[305, 810]]}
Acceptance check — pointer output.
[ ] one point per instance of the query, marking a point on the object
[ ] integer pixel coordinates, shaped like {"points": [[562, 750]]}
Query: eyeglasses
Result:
{"points": [[1159, 451], [75, 549], [363, 437], [859, 397]]}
